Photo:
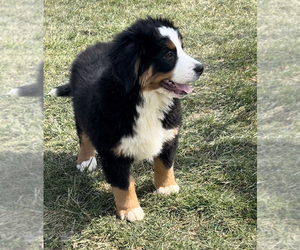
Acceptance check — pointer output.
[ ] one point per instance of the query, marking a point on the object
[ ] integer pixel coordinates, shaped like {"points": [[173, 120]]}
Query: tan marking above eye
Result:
{"points": [[170, 45]]}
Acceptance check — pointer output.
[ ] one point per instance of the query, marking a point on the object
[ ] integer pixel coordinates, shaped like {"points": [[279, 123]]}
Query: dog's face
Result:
{"points": [[150, 53]]}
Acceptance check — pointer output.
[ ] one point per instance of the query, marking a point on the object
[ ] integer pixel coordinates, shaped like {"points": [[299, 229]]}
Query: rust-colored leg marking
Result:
{"points": [[86, 155], [127, 203], [87, 149], [164, 179]]}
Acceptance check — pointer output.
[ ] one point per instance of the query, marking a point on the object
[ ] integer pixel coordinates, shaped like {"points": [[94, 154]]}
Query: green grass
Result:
{"points": [[216, 161], [21, 127], [21, 180], [21, 42], [278, 117]]}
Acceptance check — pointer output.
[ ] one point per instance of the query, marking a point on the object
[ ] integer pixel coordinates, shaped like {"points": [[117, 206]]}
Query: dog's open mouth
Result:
{"points": [[177, 88]]}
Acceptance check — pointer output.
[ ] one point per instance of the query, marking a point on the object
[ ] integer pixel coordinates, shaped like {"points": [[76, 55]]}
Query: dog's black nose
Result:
{"points": [[199, 69]]}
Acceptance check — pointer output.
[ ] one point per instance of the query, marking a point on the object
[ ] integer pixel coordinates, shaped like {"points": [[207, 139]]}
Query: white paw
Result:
{"points": [[91, 164], [53, 92], [14, 92], [168, 190], [135, 214]]}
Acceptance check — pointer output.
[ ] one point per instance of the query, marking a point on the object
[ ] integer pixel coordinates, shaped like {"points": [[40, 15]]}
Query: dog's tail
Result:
{"points": [[63, 90]]}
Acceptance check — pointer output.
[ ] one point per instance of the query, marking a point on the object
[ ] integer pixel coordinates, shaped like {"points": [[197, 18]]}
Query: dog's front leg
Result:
{"points": [[117, 173], [164, 179], [127, 204]]}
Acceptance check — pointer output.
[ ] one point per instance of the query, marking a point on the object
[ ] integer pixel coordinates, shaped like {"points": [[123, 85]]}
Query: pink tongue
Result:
{"points": [[184, 87]]}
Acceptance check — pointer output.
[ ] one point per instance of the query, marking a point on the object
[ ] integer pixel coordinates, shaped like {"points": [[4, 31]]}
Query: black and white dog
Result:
{"points": [[126, 97]]}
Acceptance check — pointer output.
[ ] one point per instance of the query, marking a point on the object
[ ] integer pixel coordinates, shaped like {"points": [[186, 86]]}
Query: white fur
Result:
{"points": [[184, 69], [168, 190], [91, 164], [13, 92], [135, 214], [53, 92], [149, 133]]}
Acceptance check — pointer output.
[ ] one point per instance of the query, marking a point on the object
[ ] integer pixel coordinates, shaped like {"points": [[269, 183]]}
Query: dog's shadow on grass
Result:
{"points": [[68, 189], [72, 199], [74, 195]]}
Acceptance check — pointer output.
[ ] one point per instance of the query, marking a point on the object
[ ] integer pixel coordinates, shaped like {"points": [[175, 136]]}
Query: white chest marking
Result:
{"points": [[149, 134]]}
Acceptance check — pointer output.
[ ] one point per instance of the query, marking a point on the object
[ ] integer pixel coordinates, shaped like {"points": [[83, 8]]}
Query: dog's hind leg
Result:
{"points": [[86, 156], [164, 179]]}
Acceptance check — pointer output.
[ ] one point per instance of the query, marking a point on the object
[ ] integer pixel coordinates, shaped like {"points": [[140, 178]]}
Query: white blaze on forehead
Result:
{"points": [[184, 69], [172, 34]]}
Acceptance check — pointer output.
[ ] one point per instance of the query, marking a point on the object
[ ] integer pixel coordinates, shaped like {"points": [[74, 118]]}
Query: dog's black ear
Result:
{"points": [[124, 57]]}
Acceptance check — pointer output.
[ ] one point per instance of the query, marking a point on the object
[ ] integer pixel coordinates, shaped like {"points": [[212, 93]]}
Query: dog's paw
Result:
{"points": [[133, 215], [91, 165], [168, 189]]}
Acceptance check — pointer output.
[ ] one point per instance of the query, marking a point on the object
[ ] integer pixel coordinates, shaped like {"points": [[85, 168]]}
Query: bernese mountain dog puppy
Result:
{"points": [[126, 97]]}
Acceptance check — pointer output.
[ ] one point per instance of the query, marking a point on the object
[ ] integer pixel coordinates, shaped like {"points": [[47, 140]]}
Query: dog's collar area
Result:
{"points": [[177, 88]]}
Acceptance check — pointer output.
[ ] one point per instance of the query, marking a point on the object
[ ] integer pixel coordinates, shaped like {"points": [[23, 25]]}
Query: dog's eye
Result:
{"points": [[169, 55]]}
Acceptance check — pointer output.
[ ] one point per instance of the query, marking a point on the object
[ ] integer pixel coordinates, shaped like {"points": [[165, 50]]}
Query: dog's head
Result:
{"points": [[150, 53]]}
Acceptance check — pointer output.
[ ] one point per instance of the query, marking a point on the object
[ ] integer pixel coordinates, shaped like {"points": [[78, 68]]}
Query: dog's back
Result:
{"points": [[88, 67]]}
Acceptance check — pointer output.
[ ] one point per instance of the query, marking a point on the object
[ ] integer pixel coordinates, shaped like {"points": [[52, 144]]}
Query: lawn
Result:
{"points": [[216, 161], [279, 123], [21, 126]]}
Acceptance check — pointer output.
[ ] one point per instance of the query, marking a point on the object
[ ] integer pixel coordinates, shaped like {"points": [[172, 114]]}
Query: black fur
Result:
{"points": [[173, 119], [168, 152], [64, 90]]}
